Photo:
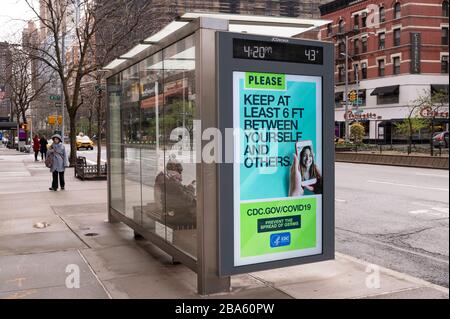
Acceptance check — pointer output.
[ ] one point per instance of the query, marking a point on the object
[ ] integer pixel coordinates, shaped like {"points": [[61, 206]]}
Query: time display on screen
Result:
{"points": [[277, 51]]}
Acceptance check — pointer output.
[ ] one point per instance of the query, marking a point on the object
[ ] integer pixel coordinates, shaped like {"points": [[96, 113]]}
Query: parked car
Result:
{"points": [[84, 142], [440, 139]]}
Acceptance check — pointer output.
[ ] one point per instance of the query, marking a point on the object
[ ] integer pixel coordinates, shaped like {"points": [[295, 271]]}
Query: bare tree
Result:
{"points": [[77, 22], [24, 88]]}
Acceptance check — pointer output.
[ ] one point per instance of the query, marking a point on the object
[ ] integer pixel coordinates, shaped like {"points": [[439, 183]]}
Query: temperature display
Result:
{"points": [[277, 51]]}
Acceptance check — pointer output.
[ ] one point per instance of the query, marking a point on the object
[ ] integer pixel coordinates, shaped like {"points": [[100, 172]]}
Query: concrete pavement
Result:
{"points": [[40, 262]]}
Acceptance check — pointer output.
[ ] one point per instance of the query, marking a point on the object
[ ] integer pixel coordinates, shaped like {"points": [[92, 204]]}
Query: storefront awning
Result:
{"points": [[385, 90], [8, 125]]}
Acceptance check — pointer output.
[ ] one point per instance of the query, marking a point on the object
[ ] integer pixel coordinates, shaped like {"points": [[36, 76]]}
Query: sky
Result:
{"points": [[13, 17]]}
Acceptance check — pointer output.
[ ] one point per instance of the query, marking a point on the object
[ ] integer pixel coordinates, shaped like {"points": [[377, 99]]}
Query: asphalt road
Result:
{"points": [[395, 217]]}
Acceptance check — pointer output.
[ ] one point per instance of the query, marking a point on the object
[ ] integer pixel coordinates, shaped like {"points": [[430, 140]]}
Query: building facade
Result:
{"points": [[5, 74], [161, 12], [397, 52]]}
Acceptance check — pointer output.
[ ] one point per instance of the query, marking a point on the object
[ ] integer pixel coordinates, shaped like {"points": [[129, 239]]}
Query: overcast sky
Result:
{"points": [[13, 17]]}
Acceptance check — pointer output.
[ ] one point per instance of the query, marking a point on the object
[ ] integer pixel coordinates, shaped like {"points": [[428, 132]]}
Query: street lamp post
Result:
{"points": [[346, 90]]}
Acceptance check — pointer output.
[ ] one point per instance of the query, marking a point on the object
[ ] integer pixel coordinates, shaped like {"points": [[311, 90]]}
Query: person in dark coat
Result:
{"points": [[36, 147], [43, 143]]}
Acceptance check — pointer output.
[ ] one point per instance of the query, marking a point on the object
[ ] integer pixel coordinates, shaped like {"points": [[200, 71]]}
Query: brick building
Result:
{"points": [[5, 74], [397, 51]]}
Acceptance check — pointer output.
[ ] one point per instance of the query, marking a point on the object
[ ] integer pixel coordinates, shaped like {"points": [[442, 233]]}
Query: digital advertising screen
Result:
{"points": [[278, 182]]}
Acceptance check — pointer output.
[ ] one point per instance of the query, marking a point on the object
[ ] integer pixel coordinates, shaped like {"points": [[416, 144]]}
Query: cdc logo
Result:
{"points": [[279, 240]]}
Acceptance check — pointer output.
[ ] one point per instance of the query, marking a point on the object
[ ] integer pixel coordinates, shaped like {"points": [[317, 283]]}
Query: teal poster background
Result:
{"points": [[257, 183]]}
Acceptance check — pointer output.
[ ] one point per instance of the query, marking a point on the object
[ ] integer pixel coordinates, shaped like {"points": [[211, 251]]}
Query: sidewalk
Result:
{"points": [[33, 261]]}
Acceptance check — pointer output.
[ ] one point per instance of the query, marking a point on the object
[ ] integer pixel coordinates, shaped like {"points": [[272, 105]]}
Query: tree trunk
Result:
{"points": [[90, 118], [73, 139], [410, 136], [431, 137]]}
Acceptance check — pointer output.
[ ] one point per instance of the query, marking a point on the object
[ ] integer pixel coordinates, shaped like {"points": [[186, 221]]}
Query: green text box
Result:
{"points": [[257, 244], [267, 81]]}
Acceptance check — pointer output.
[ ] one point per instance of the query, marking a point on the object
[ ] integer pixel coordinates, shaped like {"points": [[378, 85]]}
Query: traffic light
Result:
{"points": [[60, 119], [51, 120], [24, 126]]}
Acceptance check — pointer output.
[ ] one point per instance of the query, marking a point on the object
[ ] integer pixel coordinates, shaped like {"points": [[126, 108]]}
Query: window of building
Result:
{"points": [[397, 33], [341, 26], [341, 49], [356, 21], [329, 29], [382, 14], [356, 72], [341, 74], [387, 94], [397, 10], [445, 8], [338, 99], [396, 62], [381, 40], [356, 46], [364, 70], [364, 20], [364, 44], [391, 98], [445, 36], [381, 67], [444, 64]]}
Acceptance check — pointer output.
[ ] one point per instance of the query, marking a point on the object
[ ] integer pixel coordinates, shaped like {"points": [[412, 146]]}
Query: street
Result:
{"points": [[395, 217]]}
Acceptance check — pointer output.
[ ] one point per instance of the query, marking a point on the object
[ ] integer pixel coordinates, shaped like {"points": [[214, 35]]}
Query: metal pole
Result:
{"points": [[346, 90], [63, 62], [357, 84]]}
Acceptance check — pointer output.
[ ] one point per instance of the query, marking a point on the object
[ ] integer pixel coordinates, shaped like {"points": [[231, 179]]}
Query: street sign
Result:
{"points": [[55, 97], [270, 217]]}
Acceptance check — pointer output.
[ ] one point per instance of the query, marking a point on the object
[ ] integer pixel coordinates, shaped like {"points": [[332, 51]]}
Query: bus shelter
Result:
{"points": [[203, 120]]}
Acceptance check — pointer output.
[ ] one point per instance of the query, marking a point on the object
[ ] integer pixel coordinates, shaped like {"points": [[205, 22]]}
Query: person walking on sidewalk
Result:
{"points": [[43, 142], [36, 147], [58, 152]]}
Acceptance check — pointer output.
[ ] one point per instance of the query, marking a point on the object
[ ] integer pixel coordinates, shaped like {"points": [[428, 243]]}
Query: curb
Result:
{"points": [[396, 274], [394, 160]]}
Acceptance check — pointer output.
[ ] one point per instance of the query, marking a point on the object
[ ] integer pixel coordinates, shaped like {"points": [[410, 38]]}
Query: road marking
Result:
{"points": [[424, 212], [408, 185], [441, 209], [433, 175], [367, 239], [340, 200], [434, 211]]}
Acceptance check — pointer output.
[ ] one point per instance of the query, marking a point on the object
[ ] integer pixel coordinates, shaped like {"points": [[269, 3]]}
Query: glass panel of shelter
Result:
{"points": [[131, 136], [180, 162], [153, 164], [152, 144], [115, 144]]}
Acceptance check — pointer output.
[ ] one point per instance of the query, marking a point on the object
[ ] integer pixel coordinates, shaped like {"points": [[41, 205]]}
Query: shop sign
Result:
{"points": [[351, 115], [428, 112]]}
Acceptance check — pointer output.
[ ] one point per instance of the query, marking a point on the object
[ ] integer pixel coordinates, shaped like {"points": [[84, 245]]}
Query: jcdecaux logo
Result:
{"points": [[279, 240]]}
